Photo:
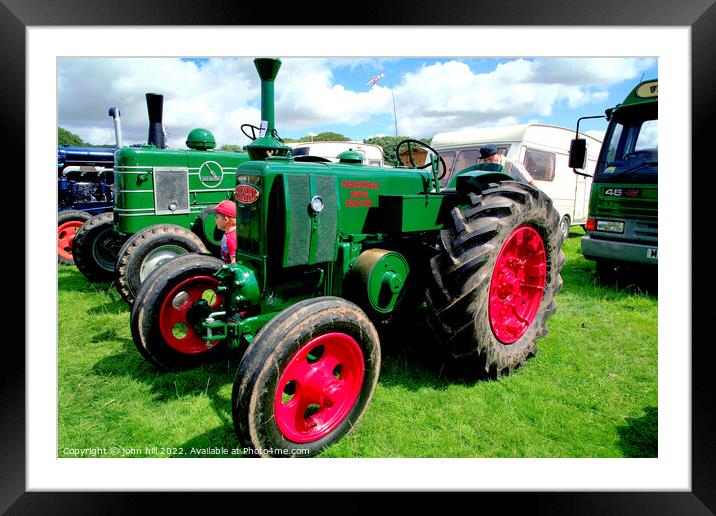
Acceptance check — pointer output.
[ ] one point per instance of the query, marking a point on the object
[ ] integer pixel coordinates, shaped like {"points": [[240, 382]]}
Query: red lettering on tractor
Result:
{"points": [[359, 184], [361, 203]]}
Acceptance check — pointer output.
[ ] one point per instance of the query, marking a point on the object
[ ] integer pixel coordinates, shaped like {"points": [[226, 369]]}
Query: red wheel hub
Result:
{"points": [[517, 284], [65, 236], [319, 387], [173, 315]]}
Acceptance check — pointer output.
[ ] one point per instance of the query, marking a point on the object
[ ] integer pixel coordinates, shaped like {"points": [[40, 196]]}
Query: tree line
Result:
{"points": [[388, 143]]}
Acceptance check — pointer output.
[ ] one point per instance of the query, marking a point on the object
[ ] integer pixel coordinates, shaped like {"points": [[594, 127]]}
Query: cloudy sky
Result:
{"points": [[331, 94]]}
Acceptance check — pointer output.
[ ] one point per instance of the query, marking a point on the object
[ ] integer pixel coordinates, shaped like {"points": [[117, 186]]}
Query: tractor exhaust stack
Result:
{"points": [[114, 113], [267, 144], [155, 108]]}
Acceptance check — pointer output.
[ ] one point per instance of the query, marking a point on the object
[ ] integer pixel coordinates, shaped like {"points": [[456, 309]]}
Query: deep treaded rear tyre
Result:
{"points": [[68, 222], [165, 320], [306, 379], [95, 248], [146, 250], [494, 282]]}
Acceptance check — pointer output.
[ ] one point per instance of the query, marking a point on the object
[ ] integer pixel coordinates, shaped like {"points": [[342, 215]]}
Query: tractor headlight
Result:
{"points": [[317, 204], [172, 206]]}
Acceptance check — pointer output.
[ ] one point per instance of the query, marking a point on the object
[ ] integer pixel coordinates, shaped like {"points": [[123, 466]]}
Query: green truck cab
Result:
{"points": [[622, 225]]}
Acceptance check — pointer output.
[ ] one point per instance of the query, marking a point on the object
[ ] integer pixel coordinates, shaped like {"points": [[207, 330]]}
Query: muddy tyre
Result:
{"points": [[95, 248], [68, 222], [166, 315], [306, 379], [147, 250], [493, 284]]}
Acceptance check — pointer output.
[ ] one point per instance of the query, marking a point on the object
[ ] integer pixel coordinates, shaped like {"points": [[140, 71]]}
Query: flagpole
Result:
{"points": [[373, 81]]}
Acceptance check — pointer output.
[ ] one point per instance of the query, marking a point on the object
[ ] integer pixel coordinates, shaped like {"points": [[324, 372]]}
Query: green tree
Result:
{"points": [[231, 148], [65, 137], [329, 137], [388, 144]]}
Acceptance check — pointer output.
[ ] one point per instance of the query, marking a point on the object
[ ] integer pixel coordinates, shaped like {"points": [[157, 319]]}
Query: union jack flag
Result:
{"points": [[374, 80]]}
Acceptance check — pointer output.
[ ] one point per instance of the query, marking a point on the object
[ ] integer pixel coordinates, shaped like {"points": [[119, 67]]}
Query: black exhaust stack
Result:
{"points": [[155, 108]]}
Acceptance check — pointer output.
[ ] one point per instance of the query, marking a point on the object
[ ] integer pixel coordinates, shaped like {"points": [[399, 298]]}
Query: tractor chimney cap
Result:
{"points": [[200, 139], [350, 156]]}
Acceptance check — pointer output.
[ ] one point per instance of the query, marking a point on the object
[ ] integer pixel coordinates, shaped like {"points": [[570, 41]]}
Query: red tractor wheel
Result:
{"points": [[68, 222], [493, 285], [168, 310], [307, 378]]}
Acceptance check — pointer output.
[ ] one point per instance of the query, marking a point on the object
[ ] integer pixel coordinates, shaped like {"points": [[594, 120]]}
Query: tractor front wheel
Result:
{"points": [[494, 282], [168, 311], [147, 250], [95, 248], [68, 222], [306, 379]]}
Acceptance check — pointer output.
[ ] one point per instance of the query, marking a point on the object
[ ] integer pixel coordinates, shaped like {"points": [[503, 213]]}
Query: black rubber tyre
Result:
{"points": [[95, 248], [148, 249], [459, 292], [65, 236], [198, 229], [162, 289], [285, 337]]}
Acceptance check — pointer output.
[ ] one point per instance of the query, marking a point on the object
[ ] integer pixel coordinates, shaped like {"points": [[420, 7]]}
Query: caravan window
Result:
{"points": [[540, 164], [466, 158]]}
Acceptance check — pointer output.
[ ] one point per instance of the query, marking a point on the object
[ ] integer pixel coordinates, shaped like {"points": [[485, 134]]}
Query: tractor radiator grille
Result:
{"points": [[299, 240], [327, 219], [171, 190]]}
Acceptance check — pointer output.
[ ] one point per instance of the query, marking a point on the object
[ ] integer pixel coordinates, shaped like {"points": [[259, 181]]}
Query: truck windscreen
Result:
{"points": [[630, 153]]}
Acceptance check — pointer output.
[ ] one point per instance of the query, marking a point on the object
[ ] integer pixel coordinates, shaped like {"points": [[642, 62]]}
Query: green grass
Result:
{"points": [[590, 392]]}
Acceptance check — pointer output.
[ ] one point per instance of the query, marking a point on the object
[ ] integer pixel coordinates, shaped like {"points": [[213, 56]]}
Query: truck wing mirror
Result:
{"points": [[578, 153]]}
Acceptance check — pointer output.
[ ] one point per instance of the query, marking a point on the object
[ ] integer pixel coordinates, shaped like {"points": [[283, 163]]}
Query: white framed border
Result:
{"points": [[671, 471]]}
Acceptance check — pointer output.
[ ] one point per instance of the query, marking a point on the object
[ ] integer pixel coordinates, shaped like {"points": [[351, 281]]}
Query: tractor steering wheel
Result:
{"points": [[257, 130], [254, 130], [410, 143]]}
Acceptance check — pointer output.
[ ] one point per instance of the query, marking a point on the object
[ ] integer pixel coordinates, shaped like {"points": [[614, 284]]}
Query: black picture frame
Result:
{"points": [[700, 16]]}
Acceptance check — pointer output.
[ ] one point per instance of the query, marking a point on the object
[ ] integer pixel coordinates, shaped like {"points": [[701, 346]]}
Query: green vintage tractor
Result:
{"points": [[328, 253], [161, 202]]}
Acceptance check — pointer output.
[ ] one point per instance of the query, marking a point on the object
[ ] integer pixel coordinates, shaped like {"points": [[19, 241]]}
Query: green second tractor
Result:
{"points": [[331, 253], [161, 202]]}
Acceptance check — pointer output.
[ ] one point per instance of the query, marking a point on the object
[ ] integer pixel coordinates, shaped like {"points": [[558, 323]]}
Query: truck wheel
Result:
{"points": [[148, 249], [95, 248], [306, 379], [494, 282], [68, 222], [167, 313]]}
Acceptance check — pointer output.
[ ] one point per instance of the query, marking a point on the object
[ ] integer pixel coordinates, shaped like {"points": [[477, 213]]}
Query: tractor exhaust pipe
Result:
{"points": [[268, 143], [114, 113], [268, 70], [155, 108]]}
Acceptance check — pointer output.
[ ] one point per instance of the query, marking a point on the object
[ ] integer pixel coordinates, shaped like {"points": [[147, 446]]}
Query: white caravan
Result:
{"points": [[544, 152], [372, 154]]}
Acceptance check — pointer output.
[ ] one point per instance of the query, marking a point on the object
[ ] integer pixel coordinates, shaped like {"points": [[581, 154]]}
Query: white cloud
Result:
{"points": [[450, 96], [221, 94]]}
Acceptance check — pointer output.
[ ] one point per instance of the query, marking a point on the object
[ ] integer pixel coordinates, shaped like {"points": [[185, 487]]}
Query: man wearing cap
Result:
{"points": [[491, 154], [225, 218]]}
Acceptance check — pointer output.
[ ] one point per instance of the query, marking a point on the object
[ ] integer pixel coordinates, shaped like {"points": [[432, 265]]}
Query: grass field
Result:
{"points": [[591, 391]]}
